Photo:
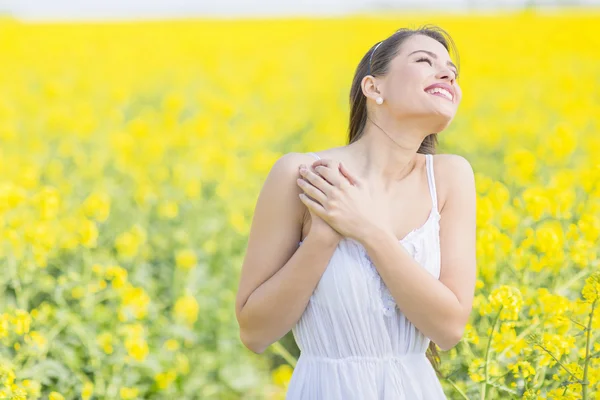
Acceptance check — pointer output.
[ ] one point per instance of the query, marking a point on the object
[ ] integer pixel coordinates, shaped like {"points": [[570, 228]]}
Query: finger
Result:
{"points": [[348, 175], [312, 205], [331, 174], [328, 162], [312, 191], [317, 181], [327, 168]]}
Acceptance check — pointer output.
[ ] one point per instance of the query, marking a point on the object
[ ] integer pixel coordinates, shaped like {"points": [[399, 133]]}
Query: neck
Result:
{"points": [[388, 152]]}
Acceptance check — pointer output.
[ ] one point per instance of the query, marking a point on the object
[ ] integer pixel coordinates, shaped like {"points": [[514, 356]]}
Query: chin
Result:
{"points": [[436, 118], [440, 122]]}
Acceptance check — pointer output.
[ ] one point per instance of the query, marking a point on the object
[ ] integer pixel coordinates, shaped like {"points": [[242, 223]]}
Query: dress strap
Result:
{"points": [[431, 180], [314, 154]]}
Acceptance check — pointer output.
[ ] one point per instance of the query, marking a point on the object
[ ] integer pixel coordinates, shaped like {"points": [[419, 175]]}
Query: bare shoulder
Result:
{"points": [[282, 179], [452, 171], [286, 167], [452, 164]]}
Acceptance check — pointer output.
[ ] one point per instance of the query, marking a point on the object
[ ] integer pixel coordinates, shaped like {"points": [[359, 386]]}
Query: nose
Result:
{"points": [[446, 73]]}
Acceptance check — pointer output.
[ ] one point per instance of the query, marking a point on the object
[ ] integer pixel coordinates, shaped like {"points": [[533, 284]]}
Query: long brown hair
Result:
{"points": [[376, 63]]}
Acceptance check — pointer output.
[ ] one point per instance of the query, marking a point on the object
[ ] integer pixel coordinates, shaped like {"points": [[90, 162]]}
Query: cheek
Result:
{"points": [[459, 93], [406, 84], [400, 91]]}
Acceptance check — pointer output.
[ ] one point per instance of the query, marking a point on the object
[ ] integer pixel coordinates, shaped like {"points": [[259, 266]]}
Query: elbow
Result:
{"points": [[451, 339], [453, 334], [248, 337], [251, 343]]}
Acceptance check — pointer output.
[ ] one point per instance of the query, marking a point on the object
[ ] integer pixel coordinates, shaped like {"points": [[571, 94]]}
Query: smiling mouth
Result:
{"points": [[441, 93]]}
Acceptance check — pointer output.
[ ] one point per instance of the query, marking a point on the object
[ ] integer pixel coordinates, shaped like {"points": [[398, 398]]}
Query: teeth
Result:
{"points": [[441, 91]]}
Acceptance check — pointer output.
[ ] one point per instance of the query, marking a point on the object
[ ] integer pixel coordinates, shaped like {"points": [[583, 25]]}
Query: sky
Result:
{"points": [[128, 9]]}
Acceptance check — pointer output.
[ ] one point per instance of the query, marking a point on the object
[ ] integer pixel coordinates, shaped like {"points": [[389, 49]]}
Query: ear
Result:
{"points": [[369, 86]]}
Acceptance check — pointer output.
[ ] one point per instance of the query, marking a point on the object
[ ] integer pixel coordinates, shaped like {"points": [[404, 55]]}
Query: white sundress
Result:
{"points": [[355, 344]]}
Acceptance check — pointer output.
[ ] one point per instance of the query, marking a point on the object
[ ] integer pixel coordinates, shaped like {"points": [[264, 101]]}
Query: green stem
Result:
{"points": [[500, 377], [487, 356], [559, 363], [578, 323], [280, 350], [16, 284], [586, 383], [463, 395], [503, 388]]}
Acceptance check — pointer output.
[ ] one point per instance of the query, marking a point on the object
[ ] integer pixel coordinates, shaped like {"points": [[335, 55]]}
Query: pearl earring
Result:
{"points": [[379, 100]]}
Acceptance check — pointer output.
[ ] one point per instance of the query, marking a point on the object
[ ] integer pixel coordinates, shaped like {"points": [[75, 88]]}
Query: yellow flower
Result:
{"points": [[186, 309], [164, 379], [470, 334], [549, 237], [521, 165], [192, 189], [104, 340], [78, 292], [97, 206], [591, 289], [562, 142], [21, 321], [98, 269], [88, 232], [48, 200], [33, 388], [117, 275], [182, 363], [476, 370], [18, 393], [136, 299], [56, 396], [5, 319], [127, 244], [171, 345], [507, 298], [531, 394], [281, 375], [127, 393], [185, 259], [168, 210], [536, 202], [87, 390], [37, 338], [525, 368], [589, 226], [137, 348]]}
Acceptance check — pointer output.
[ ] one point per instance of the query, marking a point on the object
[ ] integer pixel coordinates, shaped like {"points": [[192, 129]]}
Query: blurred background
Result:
{"points": [[114, 9], [135, 138]]}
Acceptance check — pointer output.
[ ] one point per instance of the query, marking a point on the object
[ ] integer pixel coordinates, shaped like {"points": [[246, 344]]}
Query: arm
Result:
{"points": [[438, 308], [278, 277]]}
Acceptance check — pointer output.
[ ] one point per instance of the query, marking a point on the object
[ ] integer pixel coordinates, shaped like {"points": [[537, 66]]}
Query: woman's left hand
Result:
{"points": [[343, 200]]}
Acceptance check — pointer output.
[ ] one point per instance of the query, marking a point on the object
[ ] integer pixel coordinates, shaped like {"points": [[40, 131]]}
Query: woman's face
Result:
{"points": [[407, 88]]}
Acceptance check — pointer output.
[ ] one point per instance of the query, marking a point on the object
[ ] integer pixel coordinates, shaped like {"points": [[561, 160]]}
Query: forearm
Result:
{"points": [[425, 301], [276, 305]]}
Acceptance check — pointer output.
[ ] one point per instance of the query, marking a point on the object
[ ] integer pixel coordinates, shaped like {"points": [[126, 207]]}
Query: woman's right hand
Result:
{"points": [[318, 227]]}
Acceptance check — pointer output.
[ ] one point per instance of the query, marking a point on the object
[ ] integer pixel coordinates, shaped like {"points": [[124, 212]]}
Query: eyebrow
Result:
{"points": [[434, 56]]}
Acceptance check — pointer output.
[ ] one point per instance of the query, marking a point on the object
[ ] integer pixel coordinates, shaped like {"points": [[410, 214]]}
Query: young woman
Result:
{"points": [[374, 263]]}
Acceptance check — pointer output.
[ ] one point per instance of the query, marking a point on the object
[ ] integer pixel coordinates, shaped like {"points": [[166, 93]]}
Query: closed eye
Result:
{"points": [[430, 63], [425, 59]]}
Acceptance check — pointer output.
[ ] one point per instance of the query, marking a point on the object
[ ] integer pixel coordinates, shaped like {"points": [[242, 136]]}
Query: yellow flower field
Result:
{"points": [[132, 154]]}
